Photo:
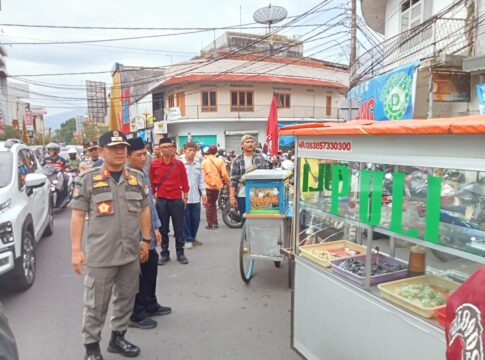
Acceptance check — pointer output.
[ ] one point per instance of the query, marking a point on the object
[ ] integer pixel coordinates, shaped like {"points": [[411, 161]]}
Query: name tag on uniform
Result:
{"points": [[97, 178], [100, 184], [104, 208]]}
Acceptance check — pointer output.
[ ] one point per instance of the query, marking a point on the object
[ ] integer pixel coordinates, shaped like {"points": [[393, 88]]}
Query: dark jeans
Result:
{"points": [[168, 208], [191, 221], [211, 208], [146, 300], [241, 205]]}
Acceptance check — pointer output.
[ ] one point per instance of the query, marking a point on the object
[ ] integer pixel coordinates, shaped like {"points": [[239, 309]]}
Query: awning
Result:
{"points": [[456, 125]]}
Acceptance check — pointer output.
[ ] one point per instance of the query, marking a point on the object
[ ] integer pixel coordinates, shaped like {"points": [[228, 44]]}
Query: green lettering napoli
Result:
{"points": [[321, 173], [339, 172], [376, 196], [397, 203], [433, 202], [327, 176]]}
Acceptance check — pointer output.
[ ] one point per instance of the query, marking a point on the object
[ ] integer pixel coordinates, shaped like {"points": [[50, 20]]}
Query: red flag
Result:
{"points": [[271, 143]]}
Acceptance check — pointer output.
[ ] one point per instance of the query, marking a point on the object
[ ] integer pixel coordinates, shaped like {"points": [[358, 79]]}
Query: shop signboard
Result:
{"points": [[451, 87], [408, 202], [137, 123], [160, 127], [481, 97], [29, 123], [389, 96]]}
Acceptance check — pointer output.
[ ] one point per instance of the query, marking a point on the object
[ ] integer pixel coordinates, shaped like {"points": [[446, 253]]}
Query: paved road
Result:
{"points": [[215, 315]]}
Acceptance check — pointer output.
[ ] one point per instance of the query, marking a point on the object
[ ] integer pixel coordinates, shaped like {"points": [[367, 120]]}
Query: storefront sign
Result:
{"points": [[137, 123], [160, 127], [389, 96], [481, 97], [451, 87], [370, 197]]}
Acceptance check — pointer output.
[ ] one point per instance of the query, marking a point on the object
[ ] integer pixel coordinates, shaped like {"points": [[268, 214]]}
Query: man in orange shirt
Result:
{"points": [[215, 176]]}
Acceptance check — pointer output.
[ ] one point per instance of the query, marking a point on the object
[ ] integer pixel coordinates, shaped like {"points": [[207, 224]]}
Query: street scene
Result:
{"points": [[301, 180]]}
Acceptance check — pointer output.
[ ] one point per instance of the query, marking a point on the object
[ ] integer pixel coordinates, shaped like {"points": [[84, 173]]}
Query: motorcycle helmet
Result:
{"points": [[53, 146], [288, 165]]}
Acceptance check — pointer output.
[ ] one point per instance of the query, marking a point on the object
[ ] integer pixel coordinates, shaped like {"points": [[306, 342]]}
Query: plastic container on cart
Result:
{"points": [[339, 249], [376, 279], [389, 291]]}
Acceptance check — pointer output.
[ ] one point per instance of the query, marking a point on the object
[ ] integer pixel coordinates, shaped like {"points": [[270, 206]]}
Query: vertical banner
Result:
{"points": [[389, 96], [481, 97], [125, 110]]}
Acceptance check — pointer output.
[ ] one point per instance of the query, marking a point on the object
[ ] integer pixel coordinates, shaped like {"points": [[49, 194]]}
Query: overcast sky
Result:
{"points": [[29, 59]]}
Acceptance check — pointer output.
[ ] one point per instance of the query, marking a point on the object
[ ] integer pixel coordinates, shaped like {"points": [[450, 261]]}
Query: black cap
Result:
{"points": [[165, 140], [136, 144], [112, 138], [90, 144]]}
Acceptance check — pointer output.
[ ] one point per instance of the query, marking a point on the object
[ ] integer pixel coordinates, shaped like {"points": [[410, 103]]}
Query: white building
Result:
{"points": [[223, 94], [445, 37]]}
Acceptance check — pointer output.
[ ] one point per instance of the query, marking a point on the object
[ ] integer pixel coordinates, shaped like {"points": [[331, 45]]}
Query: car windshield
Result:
{"points": [[5, 168]]}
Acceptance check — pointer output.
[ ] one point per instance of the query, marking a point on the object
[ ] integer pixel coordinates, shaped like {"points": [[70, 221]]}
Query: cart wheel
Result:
{"points": [[246, 263], [277, 264]]}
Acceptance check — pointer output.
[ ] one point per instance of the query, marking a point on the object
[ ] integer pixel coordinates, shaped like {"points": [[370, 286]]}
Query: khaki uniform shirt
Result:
{"points": [[113, 232]]}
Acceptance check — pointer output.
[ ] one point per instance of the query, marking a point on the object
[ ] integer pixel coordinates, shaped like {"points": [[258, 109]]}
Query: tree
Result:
{"points": [[92, 131], [10, 133], [65, 133]]}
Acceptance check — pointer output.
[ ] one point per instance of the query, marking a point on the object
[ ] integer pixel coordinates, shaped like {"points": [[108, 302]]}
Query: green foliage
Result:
{"points": [[10, 133], [65, 133], [93, 131]]}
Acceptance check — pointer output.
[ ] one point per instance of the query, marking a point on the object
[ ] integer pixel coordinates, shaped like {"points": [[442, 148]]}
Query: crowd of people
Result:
{"points": [[130, 196]]}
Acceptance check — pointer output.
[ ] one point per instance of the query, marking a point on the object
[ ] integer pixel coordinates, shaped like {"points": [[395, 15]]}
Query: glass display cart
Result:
{"points": [[389, 220], [266, 230]]}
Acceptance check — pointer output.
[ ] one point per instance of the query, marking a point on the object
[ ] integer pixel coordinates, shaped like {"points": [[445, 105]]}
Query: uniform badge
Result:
{"points": [[100, 184], [97, 178], [132, 180], [105, 173], [76, 191], [146, 190], [104, 208]]}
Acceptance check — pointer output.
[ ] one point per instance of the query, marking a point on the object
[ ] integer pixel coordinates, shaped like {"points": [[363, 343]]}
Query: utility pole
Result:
{"points": [[353, 33]]}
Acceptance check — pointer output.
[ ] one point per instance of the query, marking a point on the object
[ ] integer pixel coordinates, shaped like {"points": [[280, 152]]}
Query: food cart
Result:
{"points": [[387, 187], [267, 227]]}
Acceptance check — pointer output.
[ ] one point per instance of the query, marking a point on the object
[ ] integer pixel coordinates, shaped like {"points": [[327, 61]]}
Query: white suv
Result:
{"points": [[25, 213]]}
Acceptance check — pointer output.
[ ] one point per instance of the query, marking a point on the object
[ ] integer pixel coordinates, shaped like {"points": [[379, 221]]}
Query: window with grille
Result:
{"points": [[209, 101], [242, 101], [283, 100], [171, 101]]}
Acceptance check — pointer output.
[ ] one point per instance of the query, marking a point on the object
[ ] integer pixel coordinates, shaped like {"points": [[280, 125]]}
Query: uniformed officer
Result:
{"points": [[118, 206]]}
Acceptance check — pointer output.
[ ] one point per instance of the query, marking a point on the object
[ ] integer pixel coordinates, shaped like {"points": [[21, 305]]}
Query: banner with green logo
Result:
{"points": [[389, 96]]}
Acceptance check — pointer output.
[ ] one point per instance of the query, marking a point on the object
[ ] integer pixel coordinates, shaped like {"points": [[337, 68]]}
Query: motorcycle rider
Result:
{"points": [[60, 163], [73, 160], [54, 159]]}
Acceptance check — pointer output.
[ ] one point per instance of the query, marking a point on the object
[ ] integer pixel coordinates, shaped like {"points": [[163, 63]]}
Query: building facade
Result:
{"points": [[226, 92], [444, 40]]}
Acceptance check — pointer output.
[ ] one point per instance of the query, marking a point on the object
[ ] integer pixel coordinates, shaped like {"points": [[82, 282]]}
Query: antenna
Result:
{"points": [[270, 15]]}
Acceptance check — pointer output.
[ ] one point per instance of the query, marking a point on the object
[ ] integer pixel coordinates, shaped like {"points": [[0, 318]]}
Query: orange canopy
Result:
{"points": [[456, 125]]}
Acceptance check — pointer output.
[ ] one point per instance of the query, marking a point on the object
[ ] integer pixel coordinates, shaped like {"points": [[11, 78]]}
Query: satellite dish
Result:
{"points": [[270, 15]]}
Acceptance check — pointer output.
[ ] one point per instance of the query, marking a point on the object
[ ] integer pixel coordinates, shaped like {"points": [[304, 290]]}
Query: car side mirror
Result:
{"points": [[33, 181]]}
